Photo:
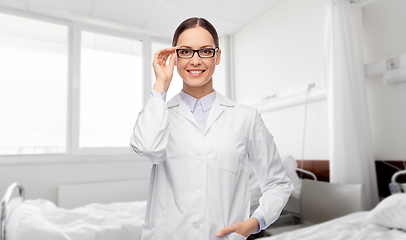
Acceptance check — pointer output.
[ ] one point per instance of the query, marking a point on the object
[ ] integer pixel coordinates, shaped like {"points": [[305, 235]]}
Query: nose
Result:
{"points": [[195, 60]]}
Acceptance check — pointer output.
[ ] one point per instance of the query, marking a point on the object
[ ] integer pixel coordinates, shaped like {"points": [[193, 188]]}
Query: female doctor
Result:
{"points": [[200, 143]]}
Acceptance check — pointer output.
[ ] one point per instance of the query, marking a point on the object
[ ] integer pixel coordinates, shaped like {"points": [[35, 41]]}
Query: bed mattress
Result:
{"points": [[41, 219], [349, 227]]}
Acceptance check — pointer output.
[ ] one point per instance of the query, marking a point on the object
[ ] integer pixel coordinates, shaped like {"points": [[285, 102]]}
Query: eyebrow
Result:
{"points": [[189, 47]]}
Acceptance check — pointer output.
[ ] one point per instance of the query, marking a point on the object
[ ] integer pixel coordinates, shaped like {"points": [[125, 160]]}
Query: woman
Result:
{"points": [[200, 143]]}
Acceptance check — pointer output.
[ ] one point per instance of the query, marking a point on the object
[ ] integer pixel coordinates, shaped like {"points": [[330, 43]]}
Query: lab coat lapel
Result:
{"points": [[183, 109], [218, 107]]}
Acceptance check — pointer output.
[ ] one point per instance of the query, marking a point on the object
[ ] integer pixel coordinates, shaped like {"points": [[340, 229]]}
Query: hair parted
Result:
{"points": [[192, 23]]}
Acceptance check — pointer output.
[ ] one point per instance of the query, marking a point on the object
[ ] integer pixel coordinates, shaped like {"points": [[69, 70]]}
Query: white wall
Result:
{"points": [[41, 180], [385, 36], [283, 48], [279, 50]]}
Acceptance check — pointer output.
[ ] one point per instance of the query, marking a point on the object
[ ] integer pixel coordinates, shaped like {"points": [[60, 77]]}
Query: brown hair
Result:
{"points": [[192, 23]]}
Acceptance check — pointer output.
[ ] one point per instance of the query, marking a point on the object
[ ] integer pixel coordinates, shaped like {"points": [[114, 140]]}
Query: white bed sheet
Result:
{"points": [[349, 227], [41, 219]]}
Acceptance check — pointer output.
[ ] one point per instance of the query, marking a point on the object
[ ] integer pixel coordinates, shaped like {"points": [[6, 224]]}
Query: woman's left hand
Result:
{"points": [[244, 228]]}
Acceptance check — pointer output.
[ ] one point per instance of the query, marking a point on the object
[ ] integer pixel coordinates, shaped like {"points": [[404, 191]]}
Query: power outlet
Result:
{"points": [[392, 63]]}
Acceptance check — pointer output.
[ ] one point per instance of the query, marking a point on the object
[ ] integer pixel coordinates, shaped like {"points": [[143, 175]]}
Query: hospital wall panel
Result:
{"points": [[283, 48], [42, 180], [384, 37]]}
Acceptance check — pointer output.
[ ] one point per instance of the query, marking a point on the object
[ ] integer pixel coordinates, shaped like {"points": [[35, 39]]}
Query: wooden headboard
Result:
{"points": [[384, 172], [320, 168]]}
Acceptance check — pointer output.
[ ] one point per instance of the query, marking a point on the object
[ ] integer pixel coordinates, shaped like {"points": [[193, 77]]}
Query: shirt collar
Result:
{"points": [[191, 102]]}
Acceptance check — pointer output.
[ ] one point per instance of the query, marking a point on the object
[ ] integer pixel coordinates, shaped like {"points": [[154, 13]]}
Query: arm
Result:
{"points": [[150, 135], [275, 186]]}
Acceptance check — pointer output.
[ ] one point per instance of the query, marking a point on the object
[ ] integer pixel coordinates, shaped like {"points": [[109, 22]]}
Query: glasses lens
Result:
{"points": [[206, 52], [185, 53]]}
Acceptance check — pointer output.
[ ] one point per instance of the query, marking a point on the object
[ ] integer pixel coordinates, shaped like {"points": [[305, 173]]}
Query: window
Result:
{"points": [[72, 89], [111, 89], [33, 86]]}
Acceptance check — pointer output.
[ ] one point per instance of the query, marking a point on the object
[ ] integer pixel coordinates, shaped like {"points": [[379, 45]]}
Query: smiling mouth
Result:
{"points": [[196, 71]]}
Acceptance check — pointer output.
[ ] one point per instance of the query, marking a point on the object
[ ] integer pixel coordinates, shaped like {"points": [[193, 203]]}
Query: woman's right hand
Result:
{"points": [[163, 71]]}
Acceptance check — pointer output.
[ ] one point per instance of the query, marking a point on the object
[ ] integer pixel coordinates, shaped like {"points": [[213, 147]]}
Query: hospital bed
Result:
{"points": [[322, 217], [77, 216], [23, 219]]}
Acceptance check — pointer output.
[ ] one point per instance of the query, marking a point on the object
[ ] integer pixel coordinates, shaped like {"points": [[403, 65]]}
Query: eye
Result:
{"points": [[207, 51], [184, 51]]}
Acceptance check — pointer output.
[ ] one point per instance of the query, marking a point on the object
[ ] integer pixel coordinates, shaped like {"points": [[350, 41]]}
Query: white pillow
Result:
{"points": [[390, 212]]}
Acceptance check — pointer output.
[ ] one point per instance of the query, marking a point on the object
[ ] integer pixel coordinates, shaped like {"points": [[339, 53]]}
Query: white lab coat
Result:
{"points": [[199, 181]]}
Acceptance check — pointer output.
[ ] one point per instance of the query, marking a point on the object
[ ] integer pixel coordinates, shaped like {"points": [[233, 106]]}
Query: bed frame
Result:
{"points": [[4, 203], [78, 195]]}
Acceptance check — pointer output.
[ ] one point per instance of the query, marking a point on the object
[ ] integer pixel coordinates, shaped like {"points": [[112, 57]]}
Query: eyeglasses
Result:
{"points": [[202, 53]]}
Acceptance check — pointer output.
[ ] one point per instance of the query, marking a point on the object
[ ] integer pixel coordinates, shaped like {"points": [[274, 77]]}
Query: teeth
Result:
{"points": [[195, 72]]}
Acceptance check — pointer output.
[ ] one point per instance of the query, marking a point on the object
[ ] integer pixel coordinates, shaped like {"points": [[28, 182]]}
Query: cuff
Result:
{"points": [[261, 221], [156, 94]]}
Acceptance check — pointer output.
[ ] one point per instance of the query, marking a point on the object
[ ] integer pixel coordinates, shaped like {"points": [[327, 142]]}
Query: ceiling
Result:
{"points": [[157, 18]]}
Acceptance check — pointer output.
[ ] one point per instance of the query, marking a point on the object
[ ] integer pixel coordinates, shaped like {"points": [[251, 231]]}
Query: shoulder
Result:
{"points": [[239, 108]]}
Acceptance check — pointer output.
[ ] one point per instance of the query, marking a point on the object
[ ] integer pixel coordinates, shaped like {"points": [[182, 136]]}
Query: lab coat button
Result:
{"points": [[196, 225]]}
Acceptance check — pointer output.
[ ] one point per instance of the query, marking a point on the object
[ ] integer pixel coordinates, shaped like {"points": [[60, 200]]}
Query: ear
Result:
{"points": [[218, 56]]}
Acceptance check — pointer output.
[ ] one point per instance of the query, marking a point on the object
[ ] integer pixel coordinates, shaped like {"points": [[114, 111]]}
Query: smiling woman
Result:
{"points": [[200, 143], [197, 70]]}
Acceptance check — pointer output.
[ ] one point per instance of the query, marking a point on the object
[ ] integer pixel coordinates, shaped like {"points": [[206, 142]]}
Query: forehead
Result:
{"points": [[195, 37]]}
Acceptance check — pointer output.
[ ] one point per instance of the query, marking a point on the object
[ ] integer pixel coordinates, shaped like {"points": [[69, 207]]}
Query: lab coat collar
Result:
{"points": [[206, 101], [222, 100], [219, 105]]}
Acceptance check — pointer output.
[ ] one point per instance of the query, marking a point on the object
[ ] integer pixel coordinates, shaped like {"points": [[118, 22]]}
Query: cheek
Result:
{"points": [[180, 64]]}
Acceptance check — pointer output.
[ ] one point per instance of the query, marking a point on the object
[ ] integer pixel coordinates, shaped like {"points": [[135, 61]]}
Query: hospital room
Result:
{"points": [[315, 147]]}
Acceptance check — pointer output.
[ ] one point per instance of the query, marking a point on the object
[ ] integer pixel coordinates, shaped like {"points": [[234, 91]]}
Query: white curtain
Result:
{"points": [[351, 151]]}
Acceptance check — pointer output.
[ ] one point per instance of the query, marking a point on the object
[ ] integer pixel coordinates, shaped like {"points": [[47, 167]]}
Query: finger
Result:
{"points": [[162, 55], [167, 53], [225, 231], [172, 61]]}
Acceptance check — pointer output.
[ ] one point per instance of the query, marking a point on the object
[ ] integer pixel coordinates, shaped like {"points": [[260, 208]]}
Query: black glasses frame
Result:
{"points": [[196, 51]]}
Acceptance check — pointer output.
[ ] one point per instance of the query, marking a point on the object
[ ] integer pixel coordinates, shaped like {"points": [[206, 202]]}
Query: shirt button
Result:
{"points": [[200, 159], [199, 108], [196, 225], [198, 192]]}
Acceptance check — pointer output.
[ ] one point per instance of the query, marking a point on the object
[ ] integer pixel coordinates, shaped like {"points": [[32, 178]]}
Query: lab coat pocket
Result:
{"points": [[231, 151], [235, 236], [153, 229]]}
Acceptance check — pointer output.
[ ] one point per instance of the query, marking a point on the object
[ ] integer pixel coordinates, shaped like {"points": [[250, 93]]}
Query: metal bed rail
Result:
{"points": [[307, 172], [393, 185], [397, 174], [4, 204]]}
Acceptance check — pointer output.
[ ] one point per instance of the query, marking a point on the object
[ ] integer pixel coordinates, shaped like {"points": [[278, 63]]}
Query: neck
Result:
{"points": [[199, 92]]}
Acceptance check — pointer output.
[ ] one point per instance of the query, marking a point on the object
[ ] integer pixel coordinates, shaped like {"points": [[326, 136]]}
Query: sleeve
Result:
{"points": [[150, 134], [275, 186], [158, 95]]}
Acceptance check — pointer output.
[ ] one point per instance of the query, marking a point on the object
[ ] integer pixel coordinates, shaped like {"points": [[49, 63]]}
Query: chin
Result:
{"points": [[196, 83]]}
